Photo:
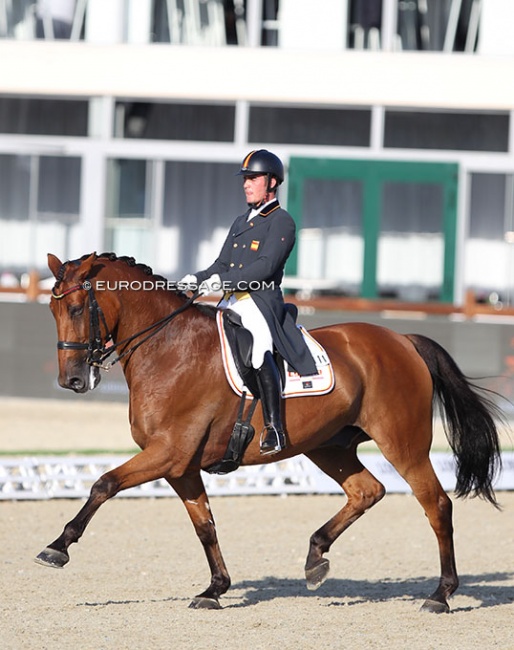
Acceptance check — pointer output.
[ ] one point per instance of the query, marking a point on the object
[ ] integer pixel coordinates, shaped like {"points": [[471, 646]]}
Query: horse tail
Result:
{"points": [[468, 417]]}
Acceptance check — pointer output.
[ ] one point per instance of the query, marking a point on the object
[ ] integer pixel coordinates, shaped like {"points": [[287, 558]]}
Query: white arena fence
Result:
{"points": [[71, 477]]}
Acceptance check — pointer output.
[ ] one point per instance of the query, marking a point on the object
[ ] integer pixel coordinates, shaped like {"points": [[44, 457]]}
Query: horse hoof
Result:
{"points": [[201, 602], [434, 607], [52, 558], [317, 575]]}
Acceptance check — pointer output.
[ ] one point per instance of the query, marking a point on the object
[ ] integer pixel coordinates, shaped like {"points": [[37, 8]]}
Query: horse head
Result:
{"points": [[81, 323]]}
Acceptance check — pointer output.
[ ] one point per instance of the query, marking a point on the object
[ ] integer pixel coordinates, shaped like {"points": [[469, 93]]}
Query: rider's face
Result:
{"points": [[255, 188]]}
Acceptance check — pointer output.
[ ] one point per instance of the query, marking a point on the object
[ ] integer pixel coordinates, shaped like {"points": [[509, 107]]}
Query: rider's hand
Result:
{"points": [[188, 283], [211, 285]]}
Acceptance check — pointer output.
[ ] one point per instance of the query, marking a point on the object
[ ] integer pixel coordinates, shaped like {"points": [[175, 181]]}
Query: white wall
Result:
{"points": [[221, 74]]}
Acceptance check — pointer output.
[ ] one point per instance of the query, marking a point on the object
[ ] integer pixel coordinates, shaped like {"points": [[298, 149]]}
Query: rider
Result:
{"points": [[249, 269]]}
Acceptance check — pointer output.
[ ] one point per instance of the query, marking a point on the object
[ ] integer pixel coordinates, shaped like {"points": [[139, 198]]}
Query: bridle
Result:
{"points": [[100, 349]]}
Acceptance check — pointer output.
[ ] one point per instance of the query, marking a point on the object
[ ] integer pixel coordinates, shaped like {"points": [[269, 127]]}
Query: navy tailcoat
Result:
{"points": [[252, 259]]}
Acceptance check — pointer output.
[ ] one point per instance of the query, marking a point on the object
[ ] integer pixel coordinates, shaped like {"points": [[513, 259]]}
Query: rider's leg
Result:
{"points": [[272, 438]]}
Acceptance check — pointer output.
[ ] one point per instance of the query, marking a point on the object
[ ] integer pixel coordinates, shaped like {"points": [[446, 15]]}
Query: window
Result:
{"points": [[128, 222], [336, 127], [195, 223], [447, 131], [487, 213], [14, 187], [43, 116], [154, 121], [489, 249], [39, 209], [330, 240], [59, 188]]}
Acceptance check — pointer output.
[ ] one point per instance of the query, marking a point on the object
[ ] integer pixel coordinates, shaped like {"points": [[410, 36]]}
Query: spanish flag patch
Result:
{"points": [[254, 245]]}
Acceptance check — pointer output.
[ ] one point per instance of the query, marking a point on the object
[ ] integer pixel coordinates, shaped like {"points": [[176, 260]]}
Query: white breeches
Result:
{"points": [[253, 320]]}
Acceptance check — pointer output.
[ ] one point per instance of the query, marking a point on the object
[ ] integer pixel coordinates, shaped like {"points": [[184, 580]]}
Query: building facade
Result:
{"points": [[122, 123]]}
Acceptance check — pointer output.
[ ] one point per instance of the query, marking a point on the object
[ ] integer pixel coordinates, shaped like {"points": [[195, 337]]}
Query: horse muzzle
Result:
{"points": [[80, 379]]}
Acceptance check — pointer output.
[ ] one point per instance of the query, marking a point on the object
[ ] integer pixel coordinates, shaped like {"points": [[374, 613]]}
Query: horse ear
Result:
{"points": [[54, 264], [85, 267]]}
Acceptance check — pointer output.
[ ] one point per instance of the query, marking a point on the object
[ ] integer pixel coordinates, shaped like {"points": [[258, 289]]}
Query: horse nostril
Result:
{"points": [[77, 384]]}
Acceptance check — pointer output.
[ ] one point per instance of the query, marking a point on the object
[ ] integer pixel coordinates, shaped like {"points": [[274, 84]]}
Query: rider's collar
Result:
{"points": [[255, 211]]}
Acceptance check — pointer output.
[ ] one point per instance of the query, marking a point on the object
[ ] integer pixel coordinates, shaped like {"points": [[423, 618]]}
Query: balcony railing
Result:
{"points": [[421, 25]]}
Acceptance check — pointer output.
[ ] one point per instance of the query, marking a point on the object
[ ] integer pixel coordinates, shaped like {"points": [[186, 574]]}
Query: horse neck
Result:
{"points": [[190, 335], [136, 303]]}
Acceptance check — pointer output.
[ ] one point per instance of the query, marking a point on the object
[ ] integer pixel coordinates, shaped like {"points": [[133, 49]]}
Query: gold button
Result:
{"points": [[244, 245], [231, 264], [251, 223], [240, 266], [235, 245]]}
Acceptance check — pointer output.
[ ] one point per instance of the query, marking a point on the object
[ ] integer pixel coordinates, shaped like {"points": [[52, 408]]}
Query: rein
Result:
{"points": [[98, 351]]}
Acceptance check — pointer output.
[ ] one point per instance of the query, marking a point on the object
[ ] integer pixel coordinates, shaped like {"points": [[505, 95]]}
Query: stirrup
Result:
{"points": [[272, 441]]}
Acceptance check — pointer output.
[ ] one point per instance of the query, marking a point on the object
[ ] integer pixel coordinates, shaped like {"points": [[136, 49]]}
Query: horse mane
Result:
{"points": [[111, 257], [208, 310], [130, 261]]}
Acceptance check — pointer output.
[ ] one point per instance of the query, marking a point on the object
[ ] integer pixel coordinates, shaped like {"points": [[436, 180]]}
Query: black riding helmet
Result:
{"points": [[263, 161]]}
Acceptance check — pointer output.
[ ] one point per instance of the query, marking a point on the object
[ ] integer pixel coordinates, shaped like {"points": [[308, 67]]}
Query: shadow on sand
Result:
{"points": [[486, 589]]}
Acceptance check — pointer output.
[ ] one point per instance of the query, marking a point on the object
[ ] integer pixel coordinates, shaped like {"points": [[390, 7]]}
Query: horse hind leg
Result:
{"points": [[362, 490], [438, 508]]}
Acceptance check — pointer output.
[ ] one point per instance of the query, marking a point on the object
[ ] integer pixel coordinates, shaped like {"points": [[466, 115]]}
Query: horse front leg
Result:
{"points": [[149, 465], [191, 490]]}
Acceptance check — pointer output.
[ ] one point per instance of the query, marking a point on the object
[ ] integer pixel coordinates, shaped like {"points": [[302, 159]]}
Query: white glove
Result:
{"points": [[211, 285], [188, 283]]}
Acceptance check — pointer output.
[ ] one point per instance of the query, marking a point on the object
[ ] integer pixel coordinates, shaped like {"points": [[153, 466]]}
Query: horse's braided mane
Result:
{"points": [[112, 257], [130, 261]]}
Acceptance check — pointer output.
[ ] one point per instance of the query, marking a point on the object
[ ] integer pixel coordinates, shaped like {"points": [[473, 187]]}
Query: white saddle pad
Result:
{"points": [[296, 386]]}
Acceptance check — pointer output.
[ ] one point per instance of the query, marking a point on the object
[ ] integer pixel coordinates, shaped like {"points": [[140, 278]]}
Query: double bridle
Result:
{"points": [[99, 350]]}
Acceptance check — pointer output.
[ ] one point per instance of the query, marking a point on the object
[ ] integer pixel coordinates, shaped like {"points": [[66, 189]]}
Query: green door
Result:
{"points": [[375, 228]]}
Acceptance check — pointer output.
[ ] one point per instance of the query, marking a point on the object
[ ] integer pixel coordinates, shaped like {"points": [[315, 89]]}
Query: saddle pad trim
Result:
{"points": [[325, 377]]}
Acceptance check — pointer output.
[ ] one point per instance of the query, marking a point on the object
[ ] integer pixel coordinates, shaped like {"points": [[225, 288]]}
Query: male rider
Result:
{"points": [[250, 268]]}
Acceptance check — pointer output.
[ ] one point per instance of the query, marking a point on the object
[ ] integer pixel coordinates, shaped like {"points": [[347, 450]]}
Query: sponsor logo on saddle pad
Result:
{"points": [[296, 386]]}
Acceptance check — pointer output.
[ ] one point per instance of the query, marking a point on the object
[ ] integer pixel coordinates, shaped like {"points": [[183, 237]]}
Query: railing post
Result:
{"points": [[32, 292]]}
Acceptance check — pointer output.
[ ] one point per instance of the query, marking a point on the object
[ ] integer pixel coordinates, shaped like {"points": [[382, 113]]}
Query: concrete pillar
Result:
{"points": [[139, 23], [105, 20], [495, 34], [94, 177], [315, 25], [92, 208]]}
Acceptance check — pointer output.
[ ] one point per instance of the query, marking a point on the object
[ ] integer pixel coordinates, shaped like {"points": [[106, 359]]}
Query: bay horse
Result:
{"points": [[182, 410]]}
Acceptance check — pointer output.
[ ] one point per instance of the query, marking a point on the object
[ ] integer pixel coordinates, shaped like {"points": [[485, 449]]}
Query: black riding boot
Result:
{"points": [[273, 438]]}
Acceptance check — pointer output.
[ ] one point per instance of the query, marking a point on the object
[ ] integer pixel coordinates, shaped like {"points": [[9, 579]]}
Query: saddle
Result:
{"points": [[236, 345], [241, 343], [236, 350]]}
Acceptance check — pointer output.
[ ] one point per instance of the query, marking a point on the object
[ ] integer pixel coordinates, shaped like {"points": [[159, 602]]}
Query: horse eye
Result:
{"points": [[75, 310]]}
